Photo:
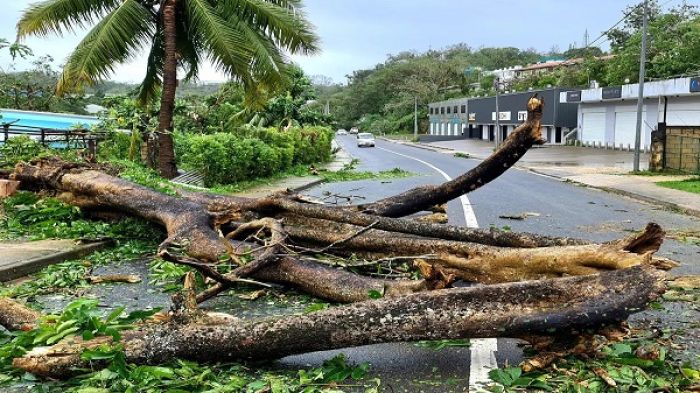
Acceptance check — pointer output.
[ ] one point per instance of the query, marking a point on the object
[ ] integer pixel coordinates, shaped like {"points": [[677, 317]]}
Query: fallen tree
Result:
{"points": [[287, 240]]}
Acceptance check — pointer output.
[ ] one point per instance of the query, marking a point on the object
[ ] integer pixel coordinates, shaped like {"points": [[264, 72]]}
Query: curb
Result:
{"points": [[416, 145], [29, 266], [639, 197], [308, 185]]}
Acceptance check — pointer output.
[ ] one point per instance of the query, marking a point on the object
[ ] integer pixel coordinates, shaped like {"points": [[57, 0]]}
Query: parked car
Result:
{"points": [[341, 132], [354, 130], [365, 139]]}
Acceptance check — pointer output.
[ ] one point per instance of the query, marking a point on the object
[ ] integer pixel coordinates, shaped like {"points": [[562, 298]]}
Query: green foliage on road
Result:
{"points": [[352, 175], [689, 185], [82, 319], [636, 365], [438, 345], [30, 216]]}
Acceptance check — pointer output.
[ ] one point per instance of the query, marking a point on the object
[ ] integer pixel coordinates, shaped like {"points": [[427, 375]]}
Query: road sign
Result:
{"points": [[695, 84]]}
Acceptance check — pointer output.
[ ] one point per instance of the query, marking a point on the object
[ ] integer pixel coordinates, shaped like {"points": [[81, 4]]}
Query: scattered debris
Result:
{"points": [[127, 278], [520, 216], [252, 295], [436, 218]]}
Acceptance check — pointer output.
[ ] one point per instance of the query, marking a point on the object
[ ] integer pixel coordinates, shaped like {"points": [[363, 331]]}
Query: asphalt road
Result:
{"points": [[564, 209]]}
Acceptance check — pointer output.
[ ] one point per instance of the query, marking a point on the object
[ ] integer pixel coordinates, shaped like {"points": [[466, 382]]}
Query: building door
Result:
{"points": [[593, 127], [557, 135], [492, 134], [626, 129], [471, 131], [504, 133]]}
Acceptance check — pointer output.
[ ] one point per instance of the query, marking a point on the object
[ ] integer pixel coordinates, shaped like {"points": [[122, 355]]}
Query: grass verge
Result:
{"points": [[351, 175], [689, 185]]}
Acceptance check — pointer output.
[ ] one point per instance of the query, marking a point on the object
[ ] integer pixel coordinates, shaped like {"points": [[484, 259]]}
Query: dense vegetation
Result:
{"points": [[218, 131], [381, 99]]}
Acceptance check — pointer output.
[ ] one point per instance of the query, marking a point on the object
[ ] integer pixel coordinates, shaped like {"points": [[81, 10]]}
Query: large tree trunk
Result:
{"points": [[194, 228], [297, 243], [166, 148], [564, 306]]}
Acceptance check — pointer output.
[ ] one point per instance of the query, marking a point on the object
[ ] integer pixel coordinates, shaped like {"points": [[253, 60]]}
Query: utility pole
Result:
{"points": [[415, 117], [640, 97], [497, 132]]}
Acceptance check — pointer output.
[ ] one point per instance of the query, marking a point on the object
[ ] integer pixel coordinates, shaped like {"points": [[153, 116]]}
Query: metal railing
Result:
{"points": [[55, 138]]}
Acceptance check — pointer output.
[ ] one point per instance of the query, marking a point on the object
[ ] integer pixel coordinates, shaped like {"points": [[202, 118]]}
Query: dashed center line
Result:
{"points": [[483, 351]]}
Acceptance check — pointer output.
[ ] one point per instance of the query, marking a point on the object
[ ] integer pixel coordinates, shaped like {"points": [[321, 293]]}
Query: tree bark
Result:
{"points": [[166, 148], [563, 306], [15, 316]]}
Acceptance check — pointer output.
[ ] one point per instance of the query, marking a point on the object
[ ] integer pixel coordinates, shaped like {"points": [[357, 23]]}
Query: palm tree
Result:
{"points": [[246, 39]]}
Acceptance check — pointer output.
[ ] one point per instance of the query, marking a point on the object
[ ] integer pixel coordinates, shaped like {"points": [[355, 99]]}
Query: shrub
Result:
{"points": [[251, 152], [23, 148], [115, 146], [19, 148]]}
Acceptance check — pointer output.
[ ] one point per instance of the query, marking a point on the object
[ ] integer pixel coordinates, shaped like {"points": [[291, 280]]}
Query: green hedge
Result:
{"points": [[249, 153]]}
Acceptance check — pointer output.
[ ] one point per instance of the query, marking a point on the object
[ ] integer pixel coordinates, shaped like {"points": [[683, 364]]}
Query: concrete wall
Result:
{"points": [[683, 148]]}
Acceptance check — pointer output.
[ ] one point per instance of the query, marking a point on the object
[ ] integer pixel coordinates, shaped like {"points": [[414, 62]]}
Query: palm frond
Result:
{"points": [[282, 21], [153, 81], [189, 47], [227, 48], [56, 16], [115, 39]]}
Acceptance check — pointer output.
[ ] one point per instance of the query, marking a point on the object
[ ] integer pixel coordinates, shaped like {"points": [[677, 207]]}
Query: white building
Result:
{"points": [[505, 74], [608, 116]]}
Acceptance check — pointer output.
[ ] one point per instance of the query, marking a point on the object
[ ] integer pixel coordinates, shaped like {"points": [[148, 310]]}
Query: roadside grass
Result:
{"points": [[689, 185], [352, 175], [459, 154], [663, 172]]}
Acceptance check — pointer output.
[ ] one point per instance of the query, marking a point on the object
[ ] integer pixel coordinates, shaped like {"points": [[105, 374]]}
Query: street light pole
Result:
{"points": [[640, 97], [415, 118]]}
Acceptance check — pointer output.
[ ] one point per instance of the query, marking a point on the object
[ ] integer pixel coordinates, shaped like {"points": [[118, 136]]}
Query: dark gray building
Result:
{"points": [[558, 118]]}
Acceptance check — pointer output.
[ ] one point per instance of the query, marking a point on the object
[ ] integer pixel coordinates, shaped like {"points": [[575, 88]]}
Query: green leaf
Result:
{"points": [[115, 314], [374, 294]]}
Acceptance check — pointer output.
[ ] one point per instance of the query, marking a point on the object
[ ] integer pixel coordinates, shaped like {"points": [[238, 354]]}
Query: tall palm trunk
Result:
{"points": [[166, 151]]}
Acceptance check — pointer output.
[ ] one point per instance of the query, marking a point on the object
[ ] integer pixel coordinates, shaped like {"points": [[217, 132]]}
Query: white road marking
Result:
{"points": [[483, 350], [469, 215]]}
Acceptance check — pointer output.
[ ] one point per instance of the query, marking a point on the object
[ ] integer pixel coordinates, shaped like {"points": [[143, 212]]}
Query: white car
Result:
{"points": [[365, 139], [341, 132], [354, 130]]}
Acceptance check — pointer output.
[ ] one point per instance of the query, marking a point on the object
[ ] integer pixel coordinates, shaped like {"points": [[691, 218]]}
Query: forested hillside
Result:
{"points": [[382, 99]]}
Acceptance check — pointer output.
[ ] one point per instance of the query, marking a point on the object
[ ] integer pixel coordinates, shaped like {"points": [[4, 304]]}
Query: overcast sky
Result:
{"points": [[358, 34]]}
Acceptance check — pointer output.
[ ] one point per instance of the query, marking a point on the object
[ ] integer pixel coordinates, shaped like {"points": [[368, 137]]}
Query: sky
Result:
{"points": [[358, 34]]}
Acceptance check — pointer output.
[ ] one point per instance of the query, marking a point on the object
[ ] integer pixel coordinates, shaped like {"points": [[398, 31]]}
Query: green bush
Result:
{"points": [[23, 149], [115, 146], [251, 152], [19, 148]]}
